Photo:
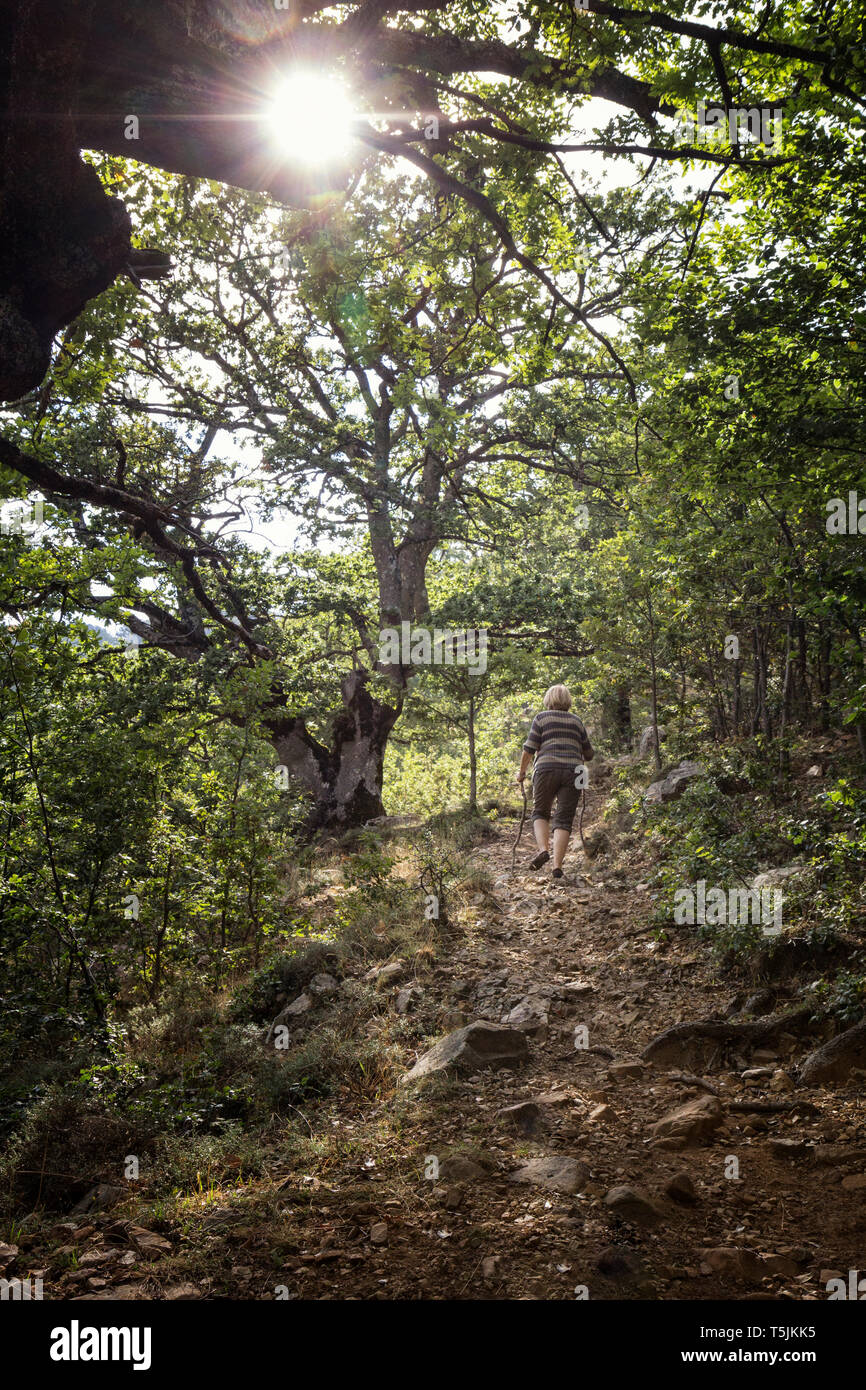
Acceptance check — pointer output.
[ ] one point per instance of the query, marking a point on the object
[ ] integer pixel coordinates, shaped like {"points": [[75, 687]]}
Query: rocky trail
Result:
{"points": [[596, 1159]]}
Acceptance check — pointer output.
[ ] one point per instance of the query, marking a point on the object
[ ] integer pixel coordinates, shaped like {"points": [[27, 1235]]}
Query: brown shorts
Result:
{"points": [[549, 783]]}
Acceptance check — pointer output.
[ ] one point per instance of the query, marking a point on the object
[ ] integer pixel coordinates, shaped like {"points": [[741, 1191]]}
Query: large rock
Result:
{"points": [[301, 1005], [625, 1071], [457, 1168], [476, 1047], [573, 989], [682, 1190], [530, 1015], [774, 878], [525, 1116], [556, 1173], [645, 747], [835, 1060], [617, 1262], [691, 1123], [673, 786], [290, 1015], [387, 975], [407, 998], [100, 1198], [634, 1205], [148, 1244], [734, 1262]]}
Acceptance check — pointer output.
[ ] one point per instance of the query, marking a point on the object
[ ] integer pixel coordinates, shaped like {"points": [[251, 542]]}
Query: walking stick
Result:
{"points": [[580, 821], [520, 828]]}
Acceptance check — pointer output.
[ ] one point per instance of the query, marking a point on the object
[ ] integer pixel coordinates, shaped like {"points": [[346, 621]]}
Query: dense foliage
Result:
{"points": [[602, 419]]}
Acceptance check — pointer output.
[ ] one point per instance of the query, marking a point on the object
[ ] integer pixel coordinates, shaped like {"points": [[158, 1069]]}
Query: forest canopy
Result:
{"points": [[601, 412], [544, 322]]}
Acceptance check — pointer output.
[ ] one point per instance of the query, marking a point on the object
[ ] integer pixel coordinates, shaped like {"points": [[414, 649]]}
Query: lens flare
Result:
{"points": [[310, 119]]}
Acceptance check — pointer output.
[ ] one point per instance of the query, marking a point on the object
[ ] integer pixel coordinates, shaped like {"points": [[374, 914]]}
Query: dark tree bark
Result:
{"points": [[803, 694], [736, 697], [654, 689], [761, 717], [825, 680], [62, 240], [473, 758], [344, 780], [197, 76], [719, 716]]}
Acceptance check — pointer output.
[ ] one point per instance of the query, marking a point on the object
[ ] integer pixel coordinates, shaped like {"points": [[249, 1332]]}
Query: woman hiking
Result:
{"points": [[560, 744]]}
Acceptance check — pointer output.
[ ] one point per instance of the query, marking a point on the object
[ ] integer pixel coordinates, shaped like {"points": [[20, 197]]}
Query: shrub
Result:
{"points": [[65, 1146], [259, 996]]}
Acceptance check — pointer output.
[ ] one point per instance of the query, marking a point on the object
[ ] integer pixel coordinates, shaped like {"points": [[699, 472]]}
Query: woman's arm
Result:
{"points": [[530, 748]]}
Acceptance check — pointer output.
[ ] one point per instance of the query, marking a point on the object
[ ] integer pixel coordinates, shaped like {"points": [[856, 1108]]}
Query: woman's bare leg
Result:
{"points": [[560, 845], [541, 830]]}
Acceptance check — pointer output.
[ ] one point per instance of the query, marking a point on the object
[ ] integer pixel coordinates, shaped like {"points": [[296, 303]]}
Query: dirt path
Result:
{"points": [[366, 1222]]}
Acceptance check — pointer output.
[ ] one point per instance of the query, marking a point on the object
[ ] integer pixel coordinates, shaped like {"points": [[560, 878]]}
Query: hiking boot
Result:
{"points": [[557, 873], [541, 858]]}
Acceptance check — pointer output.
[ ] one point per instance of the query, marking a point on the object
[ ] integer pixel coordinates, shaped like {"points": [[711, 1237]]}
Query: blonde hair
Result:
{"points": [[557, 697]]}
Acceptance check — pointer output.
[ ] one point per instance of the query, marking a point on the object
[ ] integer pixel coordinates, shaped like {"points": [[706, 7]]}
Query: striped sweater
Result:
{"points": [[558, 739]]}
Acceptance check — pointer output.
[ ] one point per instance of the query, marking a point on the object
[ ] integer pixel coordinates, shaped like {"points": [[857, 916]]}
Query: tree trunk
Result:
{"points": [[720, 719], [622, 720], [473, 760], [654, 705], [736, 699], [62, 239], [761, 713], [784, 752], [824, 677], [344, 781], [161, 932], [803, 697]]}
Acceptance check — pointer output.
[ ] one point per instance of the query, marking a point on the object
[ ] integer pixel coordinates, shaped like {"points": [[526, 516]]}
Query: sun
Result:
{"points": [[311, 118]]}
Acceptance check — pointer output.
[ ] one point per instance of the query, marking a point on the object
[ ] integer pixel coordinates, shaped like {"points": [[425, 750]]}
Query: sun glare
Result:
{"points": [[311, 119]]}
